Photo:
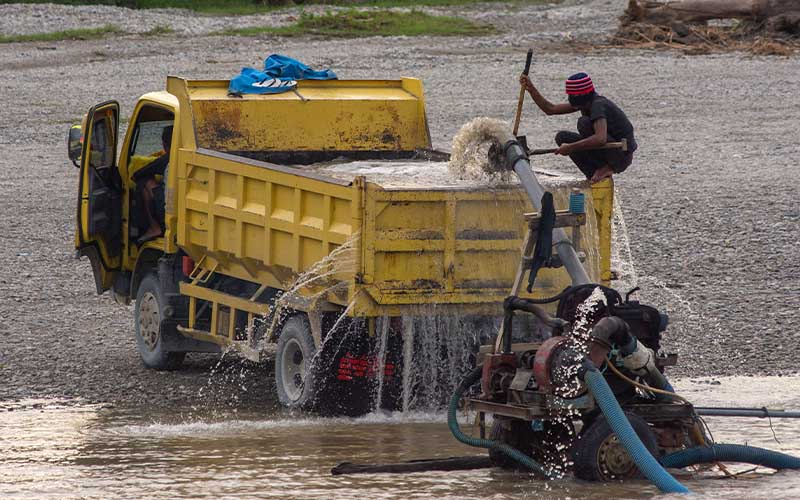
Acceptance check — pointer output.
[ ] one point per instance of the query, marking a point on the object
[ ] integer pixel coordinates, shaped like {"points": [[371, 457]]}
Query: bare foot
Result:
{"points": [[601, 173]]}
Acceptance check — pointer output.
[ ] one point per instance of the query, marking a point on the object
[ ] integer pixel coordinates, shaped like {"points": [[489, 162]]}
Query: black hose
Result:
{"points": [[554, 298]]}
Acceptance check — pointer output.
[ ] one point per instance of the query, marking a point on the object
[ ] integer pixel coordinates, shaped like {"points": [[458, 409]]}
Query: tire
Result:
{"points": [[599, 456], [150, 329], [515, 433], [295, 380]]}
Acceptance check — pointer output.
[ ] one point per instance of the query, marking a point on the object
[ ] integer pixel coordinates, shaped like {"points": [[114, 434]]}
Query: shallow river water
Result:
{"points": [[69, 451]]}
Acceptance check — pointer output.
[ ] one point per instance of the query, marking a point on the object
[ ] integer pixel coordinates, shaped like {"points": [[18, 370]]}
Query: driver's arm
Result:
{"points": [[155, 167]]}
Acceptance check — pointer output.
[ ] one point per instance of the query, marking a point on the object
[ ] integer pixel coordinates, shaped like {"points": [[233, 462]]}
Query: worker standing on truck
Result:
{"points": [[151, 191], [601, 122]]}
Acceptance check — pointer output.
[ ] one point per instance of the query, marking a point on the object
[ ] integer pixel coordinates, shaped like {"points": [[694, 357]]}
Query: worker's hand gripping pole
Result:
{"points": [[522, 92]]}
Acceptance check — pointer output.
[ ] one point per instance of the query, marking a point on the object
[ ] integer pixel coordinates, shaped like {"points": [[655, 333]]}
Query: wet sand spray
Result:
{"points": [[470, 159]]}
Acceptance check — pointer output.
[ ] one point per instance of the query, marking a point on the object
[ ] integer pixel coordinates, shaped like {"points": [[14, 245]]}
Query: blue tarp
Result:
{"points": [[280, 74]]}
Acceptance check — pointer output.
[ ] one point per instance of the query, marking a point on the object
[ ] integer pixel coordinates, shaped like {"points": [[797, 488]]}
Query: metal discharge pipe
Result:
{"points": [[517, 158], [745, 412]]}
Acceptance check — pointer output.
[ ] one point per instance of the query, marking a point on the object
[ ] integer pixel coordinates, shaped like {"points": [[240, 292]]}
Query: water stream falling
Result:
{"points": [[320, 279], [621, 256], [438, 350], [692, 332], [408, 352], [380, 369]]}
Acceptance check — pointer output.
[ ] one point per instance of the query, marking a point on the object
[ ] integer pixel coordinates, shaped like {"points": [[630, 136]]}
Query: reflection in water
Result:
{"points": [[49, 450]]}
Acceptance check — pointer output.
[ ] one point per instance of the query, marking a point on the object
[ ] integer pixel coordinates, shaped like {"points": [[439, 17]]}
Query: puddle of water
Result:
{"points": [[87, 452]]}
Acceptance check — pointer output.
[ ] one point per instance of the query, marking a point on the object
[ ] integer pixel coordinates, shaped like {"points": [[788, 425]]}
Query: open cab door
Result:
{"points": [[99, 224]]}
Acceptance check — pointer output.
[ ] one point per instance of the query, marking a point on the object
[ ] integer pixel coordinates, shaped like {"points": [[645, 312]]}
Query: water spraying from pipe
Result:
{"points": [[470, 159]]}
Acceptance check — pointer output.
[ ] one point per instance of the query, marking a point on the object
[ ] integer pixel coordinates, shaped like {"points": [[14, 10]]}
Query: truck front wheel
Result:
{"points": [[294, 374], [150, 327]]}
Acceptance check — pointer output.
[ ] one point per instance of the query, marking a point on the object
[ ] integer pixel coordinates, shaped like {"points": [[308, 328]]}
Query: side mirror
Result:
{"points": [[75, 144]]}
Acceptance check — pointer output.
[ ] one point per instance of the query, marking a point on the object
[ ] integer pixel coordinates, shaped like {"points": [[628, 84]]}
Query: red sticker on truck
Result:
{"points": [[352, 366]]}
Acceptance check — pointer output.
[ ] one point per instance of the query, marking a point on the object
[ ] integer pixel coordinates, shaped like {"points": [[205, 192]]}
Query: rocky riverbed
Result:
{"points": [[710, 203]]}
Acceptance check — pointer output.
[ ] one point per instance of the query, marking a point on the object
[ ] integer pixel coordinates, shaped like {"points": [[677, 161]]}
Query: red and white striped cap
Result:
{"points": [[579, 84]]}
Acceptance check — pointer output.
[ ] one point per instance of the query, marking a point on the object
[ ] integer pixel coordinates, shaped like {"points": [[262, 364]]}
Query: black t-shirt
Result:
{"points": [[618, 125]]}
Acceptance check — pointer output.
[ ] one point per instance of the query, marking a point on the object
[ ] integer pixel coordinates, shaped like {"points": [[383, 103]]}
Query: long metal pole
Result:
{"points": [[516, 156], [745, 412]]}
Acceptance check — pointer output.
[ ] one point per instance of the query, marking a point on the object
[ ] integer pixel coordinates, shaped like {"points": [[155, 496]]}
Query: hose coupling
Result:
{"points": [[514, 152], [586, 366]]}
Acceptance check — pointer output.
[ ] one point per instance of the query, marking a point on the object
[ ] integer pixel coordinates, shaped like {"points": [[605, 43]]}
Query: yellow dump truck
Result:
{"points": [[285, 218]]}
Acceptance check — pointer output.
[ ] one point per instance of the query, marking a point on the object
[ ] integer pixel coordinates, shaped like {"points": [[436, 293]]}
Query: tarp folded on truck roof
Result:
{"points": [[280, 75]]}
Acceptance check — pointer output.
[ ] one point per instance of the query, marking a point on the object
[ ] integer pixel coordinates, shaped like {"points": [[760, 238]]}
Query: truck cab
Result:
{"points": [[112, 216]]}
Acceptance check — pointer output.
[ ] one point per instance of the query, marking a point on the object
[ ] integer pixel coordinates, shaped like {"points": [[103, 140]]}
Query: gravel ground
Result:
{"points": [[710, 202]]}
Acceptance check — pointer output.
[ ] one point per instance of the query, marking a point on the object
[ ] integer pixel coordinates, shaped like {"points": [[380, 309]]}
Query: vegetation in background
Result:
{"points": [[159, 30], [76, 34], [255, 6], [354, 23]]}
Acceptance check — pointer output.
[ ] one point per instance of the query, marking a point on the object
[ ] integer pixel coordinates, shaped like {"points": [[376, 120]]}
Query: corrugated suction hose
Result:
{"points": [[641, 456], [730, 453]]}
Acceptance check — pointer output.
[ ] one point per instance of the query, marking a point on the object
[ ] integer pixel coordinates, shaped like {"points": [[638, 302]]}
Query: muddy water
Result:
{"points": [[69, 451]]}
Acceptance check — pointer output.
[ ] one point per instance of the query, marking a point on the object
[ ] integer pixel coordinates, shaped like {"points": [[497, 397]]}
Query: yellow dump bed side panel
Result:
{"points": [[256, 222], [454, 246], [329, 115]]}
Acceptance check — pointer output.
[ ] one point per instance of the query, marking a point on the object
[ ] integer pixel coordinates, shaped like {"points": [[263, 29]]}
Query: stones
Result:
{"points": [[732, 261]]}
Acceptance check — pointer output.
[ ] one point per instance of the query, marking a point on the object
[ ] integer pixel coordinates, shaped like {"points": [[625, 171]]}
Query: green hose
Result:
{"points": [[452, 422], [730, 453]]}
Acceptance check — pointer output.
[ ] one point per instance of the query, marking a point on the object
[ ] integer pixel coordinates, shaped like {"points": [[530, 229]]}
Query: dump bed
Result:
{"points": [[249, 205]]}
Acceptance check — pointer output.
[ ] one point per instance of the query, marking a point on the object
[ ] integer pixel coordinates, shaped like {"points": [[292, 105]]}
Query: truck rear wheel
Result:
{"points": [[150, 327], [294, 374]]}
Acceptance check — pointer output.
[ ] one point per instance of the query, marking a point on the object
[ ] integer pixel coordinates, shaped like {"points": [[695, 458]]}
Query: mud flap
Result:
{"points": [[353, 371]]}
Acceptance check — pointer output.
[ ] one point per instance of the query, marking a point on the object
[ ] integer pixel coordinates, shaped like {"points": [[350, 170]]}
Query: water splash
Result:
{"points": [[380, 361], [471, 146], [324, 277], [621, 256], [692, 332], [579, 338], [438, 352]]}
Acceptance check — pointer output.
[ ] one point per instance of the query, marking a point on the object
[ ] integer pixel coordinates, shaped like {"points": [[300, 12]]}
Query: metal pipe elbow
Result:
{"points": [[611, 330]]}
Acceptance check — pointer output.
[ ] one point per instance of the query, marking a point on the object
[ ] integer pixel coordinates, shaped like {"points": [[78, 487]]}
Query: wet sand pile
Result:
{"points": [[476, 162], [421, 174]]}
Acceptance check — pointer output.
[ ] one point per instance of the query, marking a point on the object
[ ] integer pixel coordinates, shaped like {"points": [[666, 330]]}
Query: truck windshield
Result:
{"points": [[147, 138]]}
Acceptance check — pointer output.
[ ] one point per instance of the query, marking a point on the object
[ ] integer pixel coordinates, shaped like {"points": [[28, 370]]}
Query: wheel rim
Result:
{"points": [[613, 460], [293, 369], [149, 320]]}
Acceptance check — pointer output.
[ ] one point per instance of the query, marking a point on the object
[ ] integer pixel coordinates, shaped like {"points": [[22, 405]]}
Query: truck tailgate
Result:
{"points": [[449, 246]]}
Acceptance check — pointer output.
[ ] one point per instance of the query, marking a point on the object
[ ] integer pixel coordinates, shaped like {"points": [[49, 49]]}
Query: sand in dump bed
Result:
{"points": [[470, 167], [420, 174]]}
